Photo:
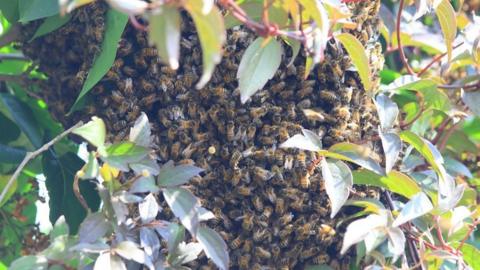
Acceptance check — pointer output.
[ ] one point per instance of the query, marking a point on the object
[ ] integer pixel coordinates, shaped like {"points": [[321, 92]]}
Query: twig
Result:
{"points": [[436, 59], [440, 129], [31, 155], [449, 133], [470, 231], [404, 125], [78, 194], [465, 87], [399, 42]]}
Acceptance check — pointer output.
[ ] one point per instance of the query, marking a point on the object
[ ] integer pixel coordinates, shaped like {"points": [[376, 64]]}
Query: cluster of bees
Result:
{"points": [[270, 209]]}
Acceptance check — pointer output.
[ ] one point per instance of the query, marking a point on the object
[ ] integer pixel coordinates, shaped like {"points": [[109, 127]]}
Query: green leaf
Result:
{"points": [[448, 22], [211, 32], [94, 132], [59, 174], [30, 262], [358, 154], [394, 181], [317, 12], [426, 149], [214, 247], [174, 176], [418, 206], [409, 82], [9, 10], [471, 255], [3, 182], [93, 228], [23, 117], [11, 155], [338, 182], [164, 33], [51, 24], [92, 168], [254, 9], [10, 130], [359, 58], [36, 9], [184, 206], [295, 46], [176, 235], [258, 65], [114, 26], [120, 155], [59, 228]]}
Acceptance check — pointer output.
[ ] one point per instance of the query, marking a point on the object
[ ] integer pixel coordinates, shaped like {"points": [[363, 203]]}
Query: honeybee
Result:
{"points": [[117, 64], [277, 88], [149, 52], [236, 177], [267, 140], [150, 99], [328, 96], [303, 232], [270, 194], [261, 174], [124, 48], [262, 253], [175, 150], [235, 159], [257, 203], [236, 243], [244, 261], [285, 219], [295, 251], [267, 212], [305, 180], [261, 235], [287, 94], [280, 206], [258, 112], [321, 259], [285, 242], [326, 233], [342, 112], [244, 190], [119, 125], [306, 103], [247, 223], [230, 131], [308, 253], [146, 85], [247, 245]]}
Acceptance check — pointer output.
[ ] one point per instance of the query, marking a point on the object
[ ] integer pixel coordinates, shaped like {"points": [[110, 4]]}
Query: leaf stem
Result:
{"points": [[399, 42], [469, 233], [31, 155], [436, 59]]}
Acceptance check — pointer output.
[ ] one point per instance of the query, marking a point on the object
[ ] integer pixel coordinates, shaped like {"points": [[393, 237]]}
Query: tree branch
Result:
{"points": [[31, 155], [436, 59], [399, 41]]}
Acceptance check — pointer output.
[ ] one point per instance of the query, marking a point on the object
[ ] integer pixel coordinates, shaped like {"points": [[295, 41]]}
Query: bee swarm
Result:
{"points": [[269, 210]]}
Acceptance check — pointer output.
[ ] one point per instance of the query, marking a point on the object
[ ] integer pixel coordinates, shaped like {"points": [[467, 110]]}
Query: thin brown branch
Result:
{"points": [[399, 41], [447, 135], [436, 59], [78, 194], [31, 155], [469, 233]]}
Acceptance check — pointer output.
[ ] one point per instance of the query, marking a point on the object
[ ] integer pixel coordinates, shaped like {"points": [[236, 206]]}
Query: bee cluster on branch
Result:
{"points": [[269, 208]]}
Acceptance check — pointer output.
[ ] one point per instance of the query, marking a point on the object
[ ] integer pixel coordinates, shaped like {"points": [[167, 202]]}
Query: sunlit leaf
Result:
{"points": [[94, 131], [338, 182], [141, 131], [148, 209], [91, 169], [177, 175], [387, 111], [184, 205], [396, 241], [317, 12], [120, 155], [359, 57], [448, 22], [144, 184], [359, 229], [308, 141], [358, 154], [392, 145], [114, 25], [418, 206], [258, 65], [186, 253], [409, 82], [130, 7], [394, 181], [164, 33], [130, 251], [214, 247], [109, 261], [455, 167], [254, 9], [59, 228], [471, 255], [149, 241], [211, 32]]}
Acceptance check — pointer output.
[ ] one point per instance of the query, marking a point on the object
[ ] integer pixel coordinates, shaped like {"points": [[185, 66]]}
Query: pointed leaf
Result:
{"points": [[338, 182], [149, 241], [359, 229], [11, 155], [148, 209], [91, 169], [30, 262], [3, 182], [387, 111], [36, 9], [214, 247], [120, 155], [308, 141], [130, 7], [114, 25], [164, 33], [317, 12], [418, 206], [176, 234], [359, 58], [130, 251], [59, 228], [392, 145], [184, 206], [109, 261], [211, 32], [94, 227], [448, 22], [144, 184], [178, 175], [141, 131], [94, 131], [396, 241], [186, 253], [258, 65], [51, 24], [394, 181], [472, 99], [359, 154]]}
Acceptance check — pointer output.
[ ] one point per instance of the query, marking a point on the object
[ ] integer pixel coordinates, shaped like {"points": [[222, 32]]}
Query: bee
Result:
{"points": [[164, 119], [244, 190], [80, 78], [277, 88], [230, 131], [328, 96], [276, 118], [258, 112], [288, 164], [262, 253], [187, 124], [172, 133], [295, 251], [235, 158], [184, 138], [262, 174], [175, 150], [251, 130], [163, 152], [286, 231], [244, 261], [304, 231], [257, 203], [149, 52], [117, 64], [261, 235], [130, 71], [270, 194], [146, 85], [166, 83], [150, 99], [267, 140], [285, 219], [326, 233], [280, 206], [247, 223], [123, 107], [119, 125], [287, 94], [285, 242], [291, 112], [306, 103], [275, 251], [201, 136], [308, 253], [321, 259], [124, 48], [305, 180], [236, 243], [342, 113], [267, 212], [220, 92]]}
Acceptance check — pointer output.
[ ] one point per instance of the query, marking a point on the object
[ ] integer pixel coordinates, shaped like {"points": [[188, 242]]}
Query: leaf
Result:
{"points": [[258, 65], [120, 155], [51, 24], [24, 118], [394, 181], [94, 132], [178, 175], [3, 182], [387, 111], [358, 154], [149, 241], [204, 214], [10, 131], [144, 184], [30, 262], [409, 82], [359, 229], [359, 58], [396, 241], [9, 10], [59, 228], [295, 46], [472, 99], [418, 206], [211, 32], [392, 145], [36, 9], [317, 12], [456, 168], [254, 9], [130, 7], [93, 228], [214, 247], [448, 22], [148, 209], [471, 255], [91, 170], [109, 261], [114, 25], [185, 253], [164, 33], [184, 205], [141, 131], [176, 234], [308, 141], [130, 251], [338, 182], [10, 155]]}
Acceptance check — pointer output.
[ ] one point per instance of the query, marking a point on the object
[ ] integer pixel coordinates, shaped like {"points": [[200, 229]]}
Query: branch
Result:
{"points": [[31, 155], [470, 231], [399, 42], [436, 59]]}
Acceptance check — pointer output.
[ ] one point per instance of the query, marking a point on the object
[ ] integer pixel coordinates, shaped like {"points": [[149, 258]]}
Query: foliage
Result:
{"points": [[428, 138]]}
